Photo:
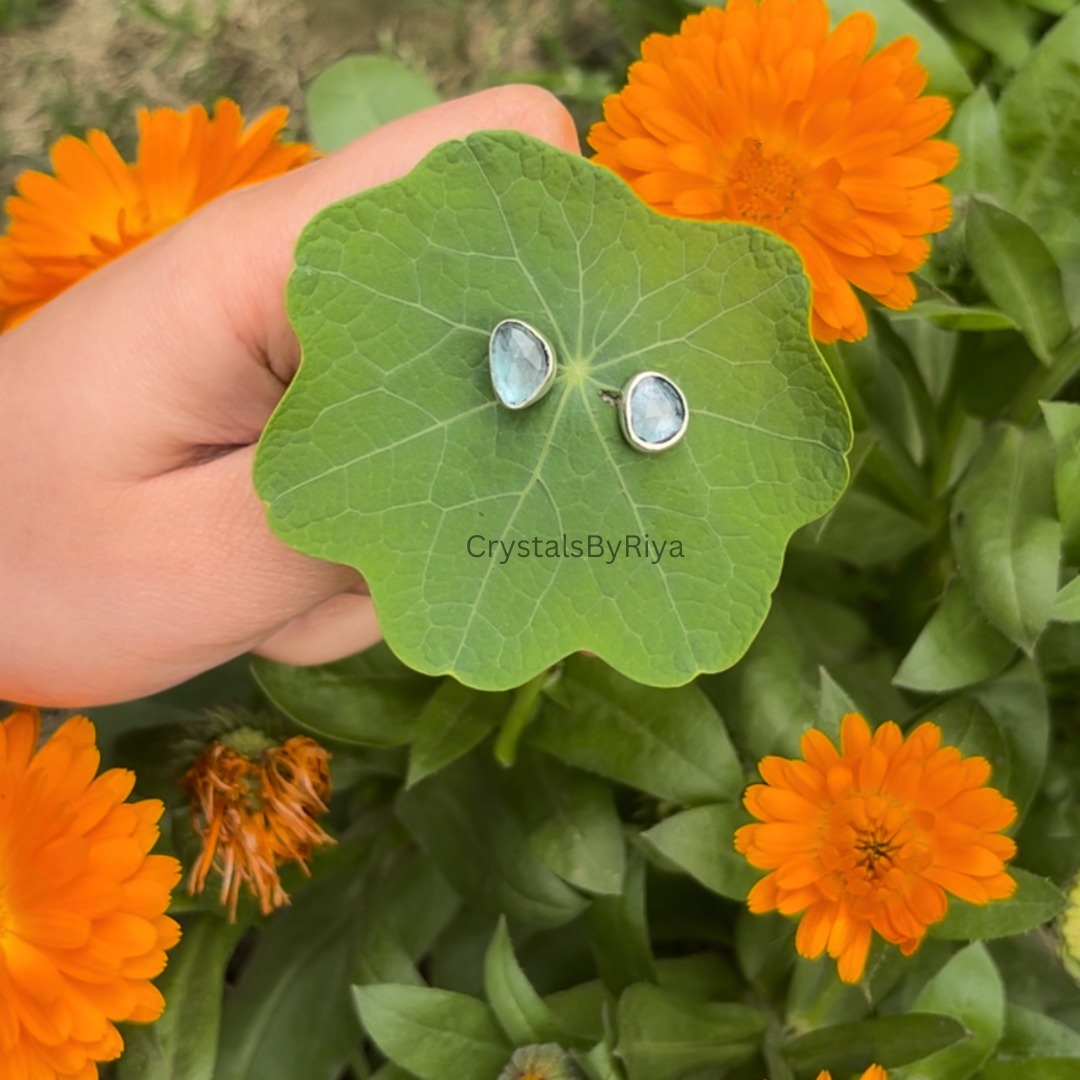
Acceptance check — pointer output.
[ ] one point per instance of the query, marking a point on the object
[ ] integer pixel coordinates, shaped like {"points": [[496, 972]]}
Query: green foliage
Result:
{"points": [[968, 988], [1006, 534], [433, 1033], [664, 1035], [888, 1040]]}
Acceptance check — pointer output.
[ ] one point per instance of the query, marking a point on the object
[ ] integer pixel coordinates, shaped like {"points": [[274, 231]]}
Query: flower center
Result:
{"points": [[875, 851], [764, 186]]}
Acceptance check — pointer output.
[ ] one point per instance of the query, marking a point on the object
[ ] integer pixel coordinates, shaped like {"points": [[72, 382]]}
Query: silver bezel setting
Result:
{"points": [[624, 414], [549, 357]]}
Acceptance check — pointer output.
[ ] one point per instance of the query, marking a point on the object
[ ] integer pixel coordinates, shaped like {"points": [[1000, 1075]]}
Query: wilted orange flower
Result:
{"points": [[254, 803], [98, 206], [758, 113], [873, 837], [82, 905]]}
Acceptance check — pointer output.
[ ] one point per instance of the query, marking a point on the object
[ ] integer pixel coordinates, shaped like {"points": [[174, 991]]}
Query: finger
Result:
{"points": [[341, 626], [204, 349]]}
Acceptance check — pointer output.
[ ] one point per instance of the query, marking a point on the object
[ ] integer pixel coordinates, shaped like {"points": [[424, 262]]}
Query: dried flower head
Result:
{"points": [[547, 1062], [873, 837], [83, 927], [98, 206], [758, 113], [254, 803]]}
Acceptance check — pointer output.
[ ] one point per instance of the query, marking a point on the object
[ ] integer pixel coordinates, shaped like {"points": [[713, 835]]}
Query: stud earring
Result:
{"points": [[653, 413], [522, 364]]}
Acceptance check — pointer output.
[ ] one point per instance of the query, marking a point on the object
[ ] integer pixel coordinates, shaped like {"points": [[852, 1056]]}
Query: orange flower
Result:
{"points": [[873, 837], [759, 114], [875, 1072], [82, 923], [98, 206], [254, 804]]}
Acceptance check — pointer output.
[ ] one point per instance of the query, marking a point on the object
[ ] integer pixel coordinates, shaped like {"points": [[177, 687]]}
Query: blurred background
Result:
{"points": [[70, 65]]}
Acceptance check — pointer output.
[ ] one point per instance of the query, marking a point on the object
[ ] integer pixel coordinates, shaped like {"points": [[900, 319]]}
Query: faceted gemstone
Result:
{"points": [[656, 410], [521, 363]]}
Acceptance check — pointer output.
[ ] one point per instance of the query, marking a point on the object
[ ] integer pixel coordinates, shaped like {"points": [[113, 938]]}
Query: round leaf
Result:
{"points": [[496, 542], [358, 94]]}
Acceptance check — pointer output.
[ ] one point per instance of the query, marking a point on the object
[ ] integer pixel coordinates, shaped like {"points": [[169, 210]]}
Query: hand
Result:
{"points": [[134, 552]]}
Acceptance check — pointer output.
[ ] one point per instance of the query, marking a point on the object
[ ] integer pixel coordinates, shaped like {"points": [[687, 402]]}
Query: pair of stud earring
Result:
{"points": [[653, 413]]}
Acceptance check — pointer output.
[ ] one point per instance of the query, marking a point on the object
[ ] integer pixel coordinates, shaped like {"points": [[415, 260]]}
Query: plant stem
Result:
{"points": [[522, 711]]}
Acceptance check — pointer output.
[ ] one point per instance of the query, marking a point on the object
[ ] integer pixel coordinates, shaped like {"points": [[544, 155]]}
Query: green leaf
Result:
{"points": [[433, 1033], [834, 704], [183, 1044], [360, 93], [619, 931], [523, 1014], [1018, 707], [982, 168], [670, 743], [578, 832], [1052, 7], [1067, 603], [1005, 535], [956, 316], [956, 648], [705, 975], [1063, 422], [765, 947], [969, 989], [462, 817], [664, 1036], [1033, 1069], [370, 699], [389, 451], [289, 1014], [1040, 124], [1035, 902], [408, 906], [1029, 1034], [1018, 271], [702, 842], [894, 19], [775, 693], [582, 1008], [866, 530], [452, 722], [600, 1064], [999, 26], [888, 1041]]}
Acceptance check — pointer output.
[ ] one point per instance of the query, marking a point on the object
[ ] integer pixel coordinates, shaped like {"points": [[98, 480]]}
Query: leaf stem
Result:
{"points": [[523, 710]]}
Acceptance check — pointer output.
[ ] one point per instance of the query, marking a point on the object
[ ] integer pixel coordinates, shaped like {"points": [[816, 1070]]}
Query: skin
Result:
{"points": [[134, 553]]}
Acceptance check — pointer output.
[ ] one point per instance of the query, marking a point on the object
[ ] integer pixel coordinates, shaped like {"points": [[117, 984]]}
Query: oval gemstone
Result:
{"points": [[521, 363], [657, 411]]}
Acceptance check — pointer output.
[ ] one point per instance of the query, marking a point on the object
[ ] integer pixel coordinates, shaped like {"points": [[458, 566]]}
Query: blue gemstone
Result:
{"points": [[522, 364], [656, 411]]}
